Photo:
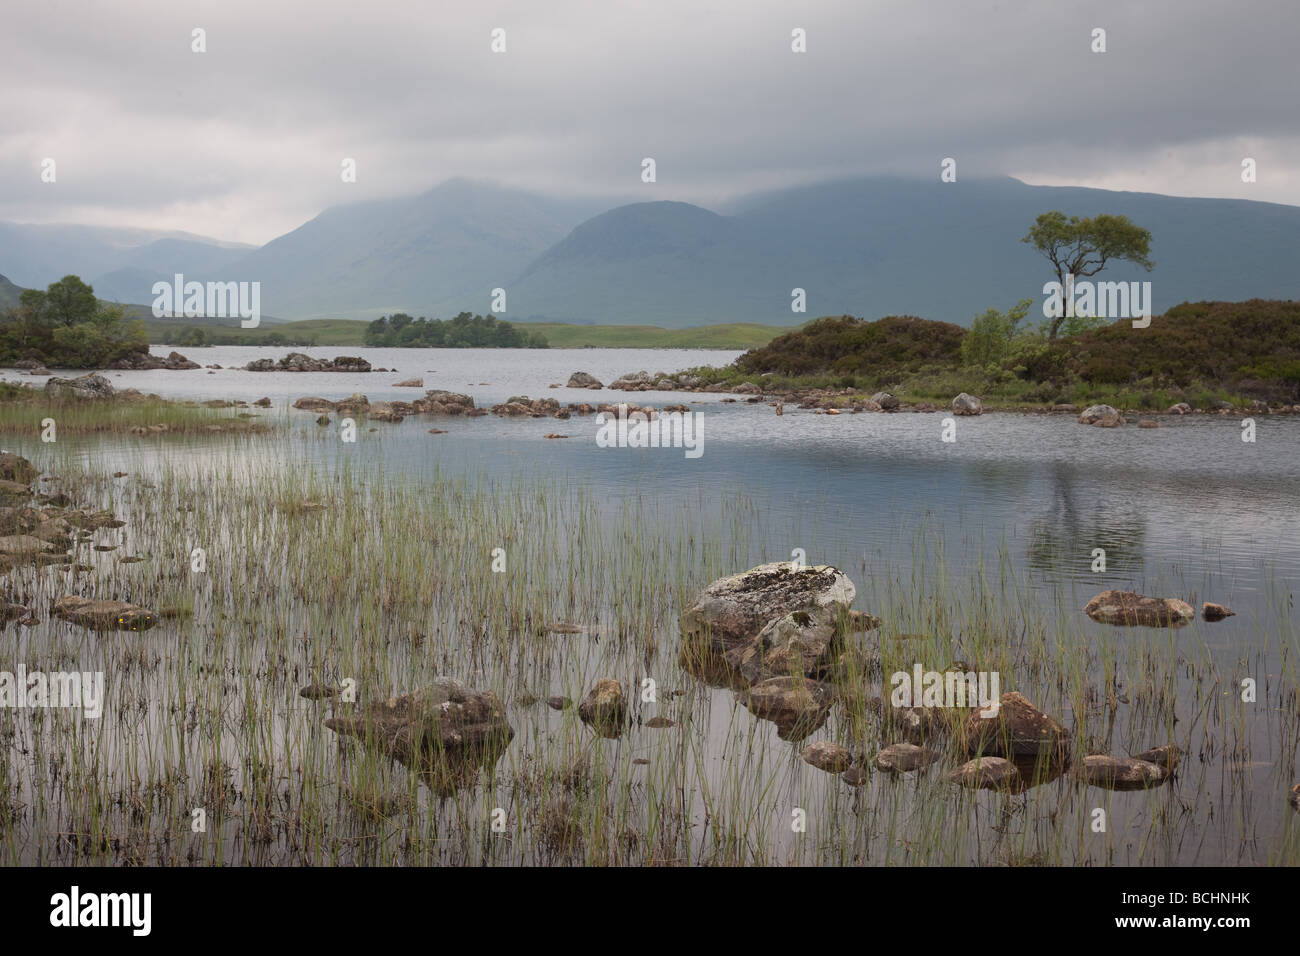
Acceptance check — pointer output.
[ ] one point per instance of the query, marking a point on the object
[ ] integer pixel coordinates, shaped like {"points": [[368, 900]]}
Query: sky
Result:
{"points": [[247, 140]]}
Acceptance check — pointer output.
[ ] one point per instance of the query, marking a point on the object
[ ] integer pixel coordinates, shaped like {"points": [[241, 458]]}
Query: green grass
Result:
{"points": [[25, 411]]}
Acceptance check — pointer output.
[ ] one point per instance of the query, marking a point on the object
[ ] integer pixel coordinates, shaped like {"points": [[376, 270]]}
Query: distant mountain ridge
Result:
{"points": [[871, 246]]}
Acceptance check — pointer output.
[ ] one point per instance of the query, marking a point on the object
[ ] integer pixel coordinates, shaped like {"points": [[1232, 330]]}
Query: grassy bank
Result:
{"points": [[25, 411]]}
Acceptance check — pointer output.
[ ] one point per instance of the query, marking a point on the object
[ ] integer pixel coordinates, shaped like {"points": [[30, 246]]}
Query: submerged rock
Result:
{"points": [[827, 755], [1216, 612], [104, 615], [604, 709], [1133, 609], [856, 776], [1121, 773], [445, 730], [904, 758], [797, 705], [1166, 756], [988, 773]]}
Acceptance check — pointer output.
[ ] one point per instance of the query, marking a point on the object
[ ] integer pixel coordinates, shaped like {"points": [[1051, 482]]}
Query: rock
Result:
{"points": [[633, 382], [1294, 799], [1148, 423], [797, 705], [965, 404], [827, 755], [440, 402], [1103, 415], [355, 404], [263, 402], [747, 388], [1216, 612], [176, 361], [104, 615], [660, 722], [1120, 773], [1017, 730], [860, 622], [1166, 756], [17, 468], [856, 776], [1182, 408], [987, 773], [801, 643], [904, 758], [886, 401], [319, 692], [554, 435], [733, 610], [322, 420], [445, 730], [559, 703], [1065, 407], [88, 386], [313, 404], [410, 383], [583, 380], [604, 709], [383, 412], [1132, 609]]}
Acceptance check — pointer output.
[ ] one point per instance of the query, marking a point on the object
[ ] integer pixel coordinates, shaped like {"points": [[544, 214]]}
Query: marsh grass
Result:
{"points": [[23, 412], [321, 575]]}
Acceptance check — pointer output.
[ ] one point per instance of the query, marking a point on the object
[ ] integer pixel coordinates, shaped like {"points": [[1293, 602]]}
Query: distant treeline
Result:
{"points": [[465, 331]]}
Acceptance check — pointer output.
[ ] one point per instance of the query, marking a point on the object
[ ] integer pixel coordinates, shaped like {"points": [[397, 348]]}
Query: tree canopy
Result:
{"points": [[65, 325]]}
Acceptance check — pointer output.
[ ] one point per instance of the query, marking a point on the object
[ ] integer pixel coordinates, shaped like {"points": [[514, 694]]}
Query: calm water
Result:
{"points": [[1187, 510]]}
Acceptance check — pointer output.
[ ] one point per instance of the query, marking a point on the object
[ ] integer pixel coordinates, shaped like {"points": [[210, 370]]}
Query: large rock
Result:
{"points": [[1103, 415], [633, 382], [92, 385], [583, 380], [446, 731], [965, 404], [104, 615], [604, 709], [313, 404], [441, 402], [886, 401], [801, 643], [1016, 730], [1133, 609], [797, 705], [733, 610]]}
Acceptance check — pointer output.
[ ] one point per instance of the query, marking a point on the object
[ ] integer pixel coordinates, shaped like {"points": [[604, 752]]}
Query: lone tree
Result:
{"points": [[1082, 247]]}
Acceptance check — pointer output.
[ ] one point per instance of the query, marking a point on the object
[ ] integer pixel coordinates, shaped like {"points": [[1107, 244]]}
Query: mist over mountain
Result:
{"points": [[870, 247]]}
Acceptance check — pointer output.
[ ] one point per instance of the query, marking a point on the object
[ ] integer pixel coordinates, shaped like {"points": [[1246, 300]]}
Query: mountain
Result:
{"points": [[883, 246], [117, 262], [9, 294], [435, 254], [870, 247]]}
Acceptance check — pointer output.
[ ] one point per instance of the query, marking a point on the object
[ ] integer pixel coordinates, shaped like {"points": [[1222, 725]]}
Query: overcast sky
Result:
{"points": [[244, 142]]}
